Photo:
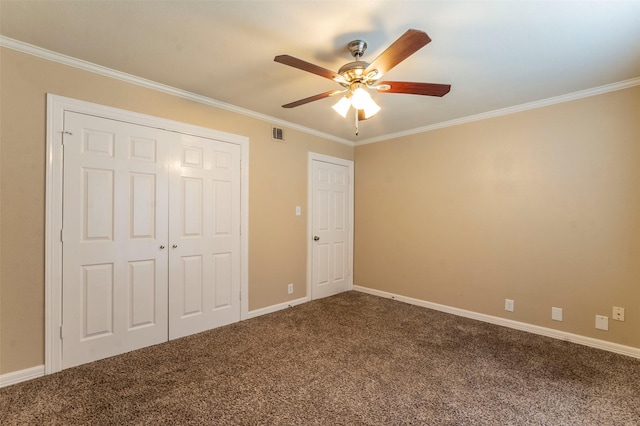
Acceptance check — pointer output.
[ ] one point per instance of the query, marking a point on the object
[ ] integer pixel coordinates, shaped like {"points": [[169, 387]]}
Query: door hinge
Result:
{"points": [[61, 236], [64, 132], [60, 332]]}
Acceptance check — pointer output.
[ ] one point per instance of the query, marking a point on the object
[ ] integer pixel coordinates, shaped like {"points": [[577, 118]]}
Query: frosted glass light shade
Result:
{"points": [[342, 106], [371, 108], [360, 98]]}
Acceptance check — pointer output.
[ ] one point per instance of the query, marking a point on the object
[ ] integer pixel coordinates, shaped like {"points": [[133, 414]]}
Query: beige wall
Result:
{"points": [[541, 206], [277, 183]]}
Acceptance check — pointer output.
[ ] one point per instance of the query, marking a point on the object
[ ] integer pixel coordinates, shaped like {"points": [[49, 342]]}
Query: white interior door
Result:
{"points": [[114, 236], [151, 236], [205, 237], [331, 226]]}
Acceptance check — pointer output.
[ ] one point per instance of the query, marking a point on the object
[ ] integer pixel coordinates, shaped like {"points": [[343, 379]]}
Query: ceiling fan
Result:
{"points": [[358, 77]]}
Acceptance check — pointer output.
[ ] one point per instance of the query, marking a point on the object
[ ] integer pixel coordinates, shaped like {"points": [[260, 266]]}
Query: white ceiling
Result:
{"points": [[495, 54]]}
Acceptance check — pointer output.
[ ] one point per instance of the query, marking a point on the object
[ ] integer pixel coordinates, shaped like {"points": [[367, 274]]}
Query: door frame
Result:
{"points": [[56, 107], [312, 156]]}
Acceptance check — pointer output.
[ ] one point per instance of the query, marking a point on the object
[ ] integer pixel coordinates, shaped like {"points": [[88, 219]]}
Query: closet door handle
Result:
{"points": [[161, 247], [175, 246]]}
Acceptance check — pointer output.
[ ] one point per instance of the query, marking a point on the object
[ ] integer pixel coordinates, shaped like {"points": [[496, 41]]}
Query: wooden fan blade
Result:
{"points": [[428, 89], [307, 66], [405, 46], [312, 98]]}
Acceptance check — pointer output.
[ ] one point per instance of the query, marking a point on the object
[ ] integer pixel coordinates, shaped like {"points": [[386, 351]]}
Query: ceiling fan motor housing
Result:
{"points": [[353, 71]]}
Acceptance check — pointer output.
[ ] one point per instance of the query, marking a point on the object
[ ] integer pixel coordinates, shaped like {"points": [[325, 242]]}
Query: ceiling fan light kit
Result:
{"points": [[358, 77]]}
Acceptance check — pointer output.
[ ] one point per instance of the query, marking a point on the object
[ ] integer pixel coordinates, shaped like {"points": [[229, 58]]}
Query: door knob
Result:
{"points": [[316, 238], [161, 247], [175, 246]]}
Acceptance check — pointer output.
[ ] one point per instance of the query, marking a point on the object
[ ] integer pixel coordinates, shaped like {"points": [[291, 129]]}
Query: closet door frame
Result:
{"points": [[56, 107]]}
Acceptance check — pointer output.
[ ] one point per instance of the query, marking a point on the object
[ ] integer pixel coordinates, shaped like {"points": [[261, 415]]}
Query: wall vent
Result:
{"points": [[277, 134]]}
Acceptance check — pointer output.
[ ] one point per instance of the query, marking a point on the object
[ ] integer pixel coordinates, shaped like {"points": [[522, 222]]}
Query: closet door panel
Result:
{"points": [[115, 220], [206, 224]]}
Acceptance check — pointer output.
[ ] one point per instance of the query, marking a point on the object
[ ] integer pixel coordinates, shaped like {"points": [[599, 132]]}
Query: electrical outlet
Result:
{"points": [[556, 314], [509, 305], [602, 322], [618, 313], [290, 288]]}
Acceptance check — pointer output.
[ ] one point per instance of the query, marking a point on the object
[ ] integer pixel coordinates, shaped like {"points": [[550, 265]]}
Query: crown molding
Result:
{"points": [[149, 84], [625, 84], [139, 81]]}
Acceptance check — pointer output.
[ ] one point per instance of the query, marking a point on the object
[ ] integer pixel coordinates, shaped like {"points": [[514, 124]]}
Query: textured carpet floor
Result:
{"points": [[348, 359]]}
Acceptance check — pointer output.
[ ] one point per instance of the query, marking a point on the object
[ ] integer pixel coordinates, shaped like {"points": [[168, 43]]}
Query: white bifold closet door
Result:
{"points": [[151, 236]]}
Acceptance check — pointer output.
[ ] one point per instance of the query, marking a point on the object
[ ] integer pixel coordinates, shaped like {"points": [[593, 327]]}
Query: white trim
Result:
{"points": [[244, 231], [53, 245], [15, 377], [56, 106], [625, 84], [108, 72], [143, 82], [535, 329], [312, 156], [277, 307]]}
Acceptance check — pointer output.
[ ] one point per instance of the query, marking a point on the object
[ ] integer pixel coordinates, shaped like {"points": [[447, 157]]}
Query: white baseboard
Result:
{"points": [[14, 377], [276, 308], [535, 329]]}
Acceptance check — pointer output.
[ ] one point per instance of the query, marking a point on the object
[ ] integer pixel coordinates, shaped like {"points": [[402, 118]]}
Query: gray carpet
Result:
{"points": [[349, 359]]}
